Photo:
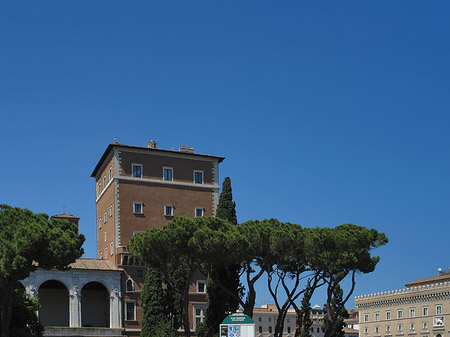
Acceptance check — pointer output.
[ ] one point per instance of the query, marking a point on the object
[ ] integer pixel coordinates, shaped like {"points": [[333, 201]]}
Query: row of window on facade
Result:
{"points": [[412, 313], [167, 173], [168, 210], [99, 186], [105, 218], [412, 328]]}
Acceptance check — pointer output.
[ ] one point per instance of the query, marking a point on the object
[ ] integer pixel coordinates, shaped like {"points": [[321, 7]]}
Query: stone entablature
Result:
{"points": [[418, 294]]}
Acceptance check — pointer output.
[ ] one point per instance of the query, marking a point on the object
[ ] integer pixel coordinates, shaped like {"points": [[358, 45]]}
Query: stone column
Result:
{"points": [[74, 307], [115, 309]]}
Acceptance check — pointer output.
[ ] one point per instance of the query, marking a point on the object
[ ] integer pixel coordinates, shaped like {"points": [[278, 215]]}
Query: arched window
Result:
{"points": [[129, 285]]}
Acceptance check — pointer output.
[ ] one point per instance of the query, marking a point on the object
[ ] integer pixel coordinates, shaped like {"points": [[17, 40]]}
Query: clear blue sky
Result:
{"points": [[327, 112]]}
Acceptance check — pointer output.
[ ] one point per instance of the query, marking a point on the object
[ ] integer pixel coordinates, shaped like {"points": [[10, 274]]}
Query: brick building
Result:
{"points": [[138, 188]]}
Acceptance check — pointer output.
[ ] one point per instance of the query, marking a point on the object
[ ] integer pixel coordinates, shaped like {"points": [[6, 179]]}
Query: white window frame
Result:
{"points": [[425, 326], [166, 207], [400, 313], [134, 207], [111, 248], [105, 237], [377, 316], [366, 317], [100, 255], [171, 173], [198, 287], [132, 170], [100, 223], [200, 209], [203, 177], [412, 327], [412, 312], [104, 180], [377, 329], [201, 307], [366, 331], [388, 328], [438, 309], [425, 311], [110, 210], [134, 311], [104, 217], [99, 189], [110, 173], [132, 285], [400, 327]]}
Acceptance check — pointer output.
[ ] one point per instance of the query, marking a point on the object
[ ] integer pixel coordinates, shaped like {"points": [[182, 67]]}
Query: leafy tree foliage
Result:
{"points": [[26, 239], [226, 209], [25, 322], [219, 302], [333, 327], [340, 252], [156, 303], [186, 242]]}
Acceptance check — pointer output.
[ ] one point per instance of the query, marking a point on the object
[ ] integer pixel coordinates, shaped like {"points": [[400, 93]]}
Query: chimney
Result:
{"points": [[183, 148], [152, 144], [190, 149]]}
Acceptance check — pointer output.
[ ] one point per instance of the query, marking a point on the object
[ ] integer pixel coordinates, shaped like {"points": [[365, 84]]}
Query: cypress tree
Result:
{"points": [[154, 301], [219, 303]]}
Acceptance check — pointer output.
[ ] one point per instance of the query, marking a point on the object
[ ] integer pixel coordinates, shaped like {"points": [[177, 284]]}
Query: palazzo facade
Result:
{"points": [[421, 309]]}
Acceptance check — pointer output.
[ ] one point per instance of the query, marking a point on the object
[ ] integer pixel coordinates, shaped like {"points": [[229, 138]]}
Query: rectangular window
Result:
{"points": [[400, 327], [111, 248], [289, 329], [198, 212], [101, 255], [110, 173], [388, 328], [137, 208], [269, 319], [260, 329], [270, 329], [106, 252], [366, 317], [388, 314], [168, 210], [104, 180], [412, 312], [366, 331], [424, 311], [318, 329], [201, 286], [199, 314], [400, 313], [99, 223], [377, 329], [137, 170], [105, 236], [411, 327], [168, 173], [198, 177], [104, 217], [110, 211], [99, 188], [288, 320], [130, 311], [377, 316], [140, 273], [425, 325], [259, 319], [439, 309]]}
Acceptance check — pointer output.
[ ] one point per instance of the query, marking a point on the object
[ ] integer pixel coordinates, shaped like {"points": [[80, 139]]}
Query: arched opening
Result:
{"points": [[54, 301], [129, 285], [94, 305]]}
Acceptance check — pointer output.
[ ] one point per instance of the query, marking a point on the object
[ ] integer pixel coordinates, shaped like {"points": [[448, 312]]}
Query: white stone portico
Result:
{"points": [[84, 300]]}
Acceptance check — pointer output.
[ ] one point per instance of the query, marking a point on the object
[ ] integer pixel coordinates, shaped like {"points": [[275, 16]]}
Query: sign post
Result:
{"points": [[237, 325]]}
